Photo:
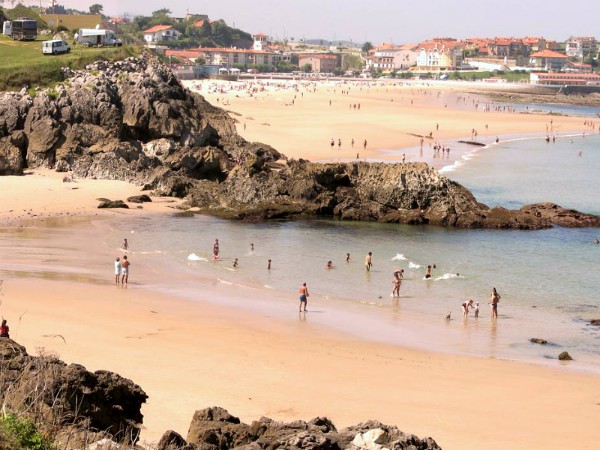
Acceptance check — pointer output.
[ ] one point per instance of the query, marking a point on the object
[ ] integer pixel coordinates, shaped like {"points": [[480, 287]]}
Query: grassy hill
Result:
{"points": [[23, 64], [23, 11]]}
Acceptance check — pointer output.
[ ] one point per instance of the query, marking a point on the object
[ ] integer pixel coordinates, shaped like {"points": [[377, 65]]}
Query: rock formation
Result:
{"points": [[216, 429], [69, 395], [132, 120]]}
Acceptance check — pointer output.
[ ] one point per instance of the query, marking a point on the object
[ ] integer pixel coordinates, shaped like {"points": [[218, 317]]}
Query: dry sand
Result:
{"points": [[190, 355], [386, 119]]}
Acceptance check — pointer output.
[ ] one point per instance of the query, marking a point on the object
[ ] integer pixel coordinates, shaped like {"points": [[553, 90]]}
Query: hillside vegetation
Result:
{"points": [[22, 63]]}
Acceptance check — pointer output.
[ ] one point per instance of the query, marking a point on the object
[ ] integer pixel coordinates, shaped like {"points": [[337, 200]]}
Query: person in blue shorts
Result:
{"points": [[303, 291]]}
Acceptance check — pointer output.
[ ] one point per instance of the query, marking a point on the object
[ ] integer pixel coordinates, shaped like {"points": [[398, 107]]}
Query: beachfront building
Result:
{"points": [[548, 60], [439, 54], [578, 47], [229, 57], [388, 57], [509, 47], [161, 33], [565, 79], [319, 62]]}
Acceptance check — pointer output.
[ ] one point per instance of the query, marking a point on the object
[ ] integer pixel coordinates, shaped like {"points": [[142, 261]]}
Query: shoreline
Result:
{"points": [[202, 354]]}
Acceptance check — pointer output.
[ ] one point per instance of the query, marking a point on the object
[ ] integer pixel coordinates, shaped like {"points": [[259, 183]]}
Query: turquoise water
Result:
{"points": [[548, 279]]}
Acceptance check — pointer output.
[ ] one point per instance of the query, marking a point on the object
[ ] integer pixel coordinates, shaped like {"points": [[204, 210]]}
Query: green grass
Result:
{"points": [[23, 64]]}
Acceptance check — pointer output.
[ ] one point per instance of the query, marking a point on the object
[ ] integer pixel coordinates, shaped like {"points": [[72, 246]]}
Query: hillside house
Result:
{"points": [[548, 60], [161, 33]]}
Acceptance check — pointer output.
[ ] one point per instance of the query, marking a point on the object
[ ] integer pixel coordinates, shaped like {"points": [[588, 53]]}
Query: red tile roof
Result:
{"points": [[156, 28], [548, 54]]}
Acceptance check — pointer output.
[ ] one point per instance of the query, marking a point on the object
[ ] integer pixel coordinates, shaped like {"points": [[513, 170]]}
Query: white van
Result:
{"points": [[55, 47]]}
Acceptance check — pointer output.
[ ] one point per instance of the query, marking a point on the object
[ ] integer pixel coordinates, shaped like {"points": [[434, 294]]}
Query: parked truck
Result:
{"points": [[24, 29], [92, 37]]}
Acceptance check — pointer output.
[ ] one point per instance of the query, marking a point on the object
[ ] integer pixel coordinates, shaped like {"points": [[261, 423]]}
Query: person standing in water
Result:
{"points": [[369, 261], [494, 300], [269, 265], [428, 273], [347, 257], [303, 291], [216, 250]]}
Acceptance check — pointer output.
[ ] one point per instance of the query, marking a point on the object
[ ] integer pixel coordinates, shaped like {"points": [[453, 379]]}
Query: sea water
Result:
{"points": [[548, 279]]}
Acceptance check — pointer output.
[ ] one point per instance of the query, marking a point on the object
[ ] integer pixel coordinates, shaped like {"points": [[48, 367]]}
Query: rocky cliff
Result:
{"points": [[132, 120]]}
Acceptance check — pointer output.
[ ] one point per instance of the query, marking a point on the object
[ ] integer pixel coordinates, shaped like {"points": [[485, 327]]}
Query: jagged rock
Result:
{"points": [[113, 204], [538, 341], [12, 151], [132, 120], [564, 217], [595, 322], [139, 199], [564, 356], [99, 401], [216, 429]]}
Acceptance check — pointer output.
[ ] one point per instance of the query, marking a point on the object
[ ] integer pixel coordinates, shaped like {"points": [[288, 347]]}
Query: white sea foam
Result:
{"points": [[448, 276], [194, 257], [399, 257], [412, 265]]}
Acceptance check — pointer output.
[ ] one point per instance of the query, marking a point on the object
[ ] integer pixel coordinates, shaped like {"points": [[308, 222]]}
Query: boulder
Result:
{"points": [[595, 322], [564, 356], [12, 153], [98, 401], [139, 199], [538, 341], [216, 429], [564, 217], [113, 204], [171, 440]]}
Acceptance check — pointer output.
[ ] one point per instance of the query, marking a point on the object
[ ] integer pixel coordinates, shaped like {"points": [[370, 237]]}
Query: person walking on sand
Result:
{"points": [[494, 300], [465, 307], [125, 270], [269, 265], [4, 330], [332, 143], [369, 261], [303, 291], [365, 145], [117, 270], [124, 245]]}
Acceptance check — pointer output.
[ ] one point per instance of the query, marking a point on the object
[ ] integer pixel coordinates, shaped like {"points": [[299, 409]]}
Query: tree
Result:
{"points": [[367, 46], [306, 68], [163, 12], [352, 62], [96, 8]]}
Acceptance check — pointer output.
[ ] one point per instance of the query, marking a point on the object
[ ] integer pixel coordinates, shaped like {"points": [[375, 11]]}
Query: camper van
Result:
{"points": [[88, 37], [55, 47], [7, 28], [24, 29]]}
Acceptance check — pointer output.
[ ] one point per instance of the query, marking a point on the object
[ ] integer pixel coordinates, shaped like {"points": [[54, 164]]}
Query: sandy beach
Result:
{"points": [[188, 355], [302, 122]]}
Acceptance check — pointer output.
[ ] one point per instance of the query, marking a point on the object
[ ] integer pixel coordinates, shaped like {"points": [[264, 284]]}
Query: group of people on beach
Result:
{"points": [[493, 302]]}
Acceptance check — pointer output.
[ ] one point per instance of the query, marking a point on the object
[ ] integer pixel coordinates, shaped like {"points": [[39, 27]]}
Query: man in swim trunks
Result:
{"points": [[494, 300], [125, 270], [428, 273], [303, 291]]}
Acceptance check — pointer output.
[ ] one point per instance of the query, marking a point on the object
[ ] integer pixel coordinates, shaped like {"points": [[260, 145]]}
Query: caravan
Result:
{"points": [[91, 37], [55, 47]]}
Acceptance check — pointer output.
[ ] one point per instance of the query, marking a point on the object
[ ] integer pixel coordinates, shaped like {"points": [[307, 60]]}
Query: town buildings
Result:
{"points": [[319, 62], [578, 47], [548, 60], [161, 33], [439, 54]]}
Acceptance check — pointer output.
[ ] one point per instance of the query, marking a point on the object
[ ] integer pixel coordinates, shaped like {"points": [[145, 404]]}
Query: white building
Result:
{"points": [[161, 33]]}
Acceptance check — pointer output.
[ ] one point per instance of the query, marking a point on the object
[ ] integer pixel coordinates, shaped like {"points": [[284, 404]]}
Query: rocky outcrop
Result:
{"points": [[69, 394], [564, 356], [133, 121], [564, 217], [216, 429]]}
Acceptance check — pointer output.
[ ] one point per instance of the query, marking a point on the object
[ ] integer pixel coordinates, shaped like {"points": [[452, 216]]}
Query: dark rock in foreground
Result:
{"points": [[100, 401], [538, 341], [595, 322], [216, 429], [132, 120]]}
